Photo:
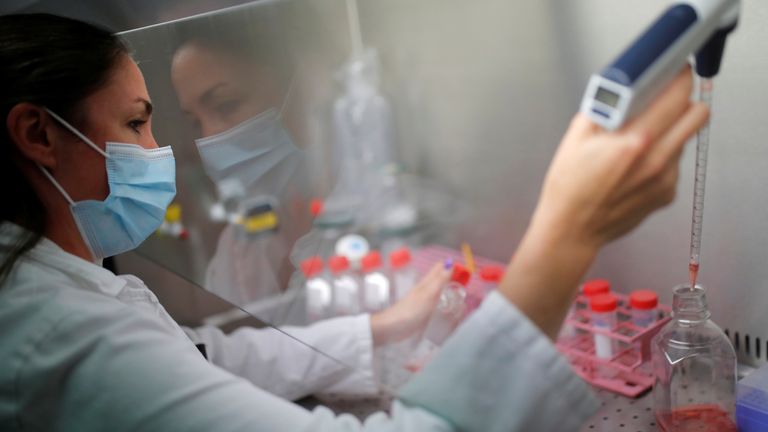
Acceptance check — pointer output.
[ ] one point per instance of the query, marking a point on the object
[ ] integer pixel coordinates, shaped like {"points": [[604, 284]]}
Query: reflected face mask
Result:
{"points": [[246, 152], [142, 182]]}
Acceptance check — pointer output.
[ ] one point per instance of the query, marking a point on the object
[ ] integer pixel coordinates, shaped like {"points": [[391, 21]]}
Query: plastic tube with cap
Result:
{"points": [[644, 303], [603, 317]]}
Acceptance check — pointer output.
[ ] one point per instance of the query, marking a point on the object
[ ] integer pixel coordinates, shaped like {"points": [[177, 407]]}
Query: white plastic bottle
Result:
{"points": [[346, 287], [376, 285], [317, 288], [404, 274]]}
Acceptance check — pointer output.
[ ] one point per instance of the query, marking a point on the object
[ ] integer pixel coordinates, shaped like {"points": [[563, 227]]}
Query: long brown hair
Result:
{"points": [[54, 62]]}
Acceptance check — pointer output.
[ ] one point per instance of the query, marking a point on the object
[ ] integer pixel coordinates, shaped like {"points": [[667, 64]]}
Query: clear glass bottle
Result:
{"points": [[695, 367]]}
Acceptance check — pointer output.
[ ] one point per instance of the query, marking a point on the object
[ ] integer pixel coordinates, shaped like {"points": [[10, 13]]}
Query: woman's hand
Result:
{"points": [[411, 314], [600, 186]]}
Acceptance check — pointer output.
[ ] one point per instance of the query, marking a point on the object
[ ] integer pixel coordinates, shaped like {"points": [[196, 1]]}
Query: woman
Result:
{"points": [[88, 352]]}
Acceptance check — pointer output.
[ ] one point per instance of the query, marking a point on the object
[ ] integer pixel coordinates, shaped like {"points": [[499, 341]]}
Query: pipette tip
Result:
{"points": [[693, 273]]}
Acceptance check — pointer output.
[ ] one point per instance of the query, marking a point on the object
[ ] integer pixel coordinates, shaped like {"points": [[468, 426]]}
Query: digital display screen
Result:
{"points": [[607, 97]]}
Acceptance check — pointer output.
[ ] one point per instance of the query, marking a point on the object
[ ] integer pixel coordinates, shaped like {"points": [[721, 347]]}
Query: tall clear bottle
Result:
{"points": [[695, 367]]}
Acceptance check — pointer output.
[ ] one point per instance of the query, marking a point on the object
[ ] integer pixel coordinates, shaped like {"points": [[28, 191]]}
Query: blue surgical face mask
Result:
{"points": [[247, 152], [142, 182]]}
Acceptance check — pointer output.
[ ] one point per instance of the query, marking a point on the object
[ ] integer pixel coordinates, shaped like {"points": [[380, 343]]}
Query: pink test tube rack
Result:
{"points": [[630, 362]]}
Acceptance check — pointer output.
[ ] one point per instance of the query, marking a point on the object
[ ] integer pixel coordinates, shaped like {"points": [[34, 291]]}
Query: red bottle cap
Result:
{"points": [[595, 287], [603, 303], [312, 266], [316, 207], [492, 273], [400, 258], [372, 261], [460, 275], [338, 264], [643, 299]]}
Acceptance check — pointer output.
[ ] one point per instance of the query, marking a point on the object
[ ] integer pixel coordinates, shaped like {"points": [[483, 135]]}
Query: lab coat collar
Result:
{"points": [[90, 275]]}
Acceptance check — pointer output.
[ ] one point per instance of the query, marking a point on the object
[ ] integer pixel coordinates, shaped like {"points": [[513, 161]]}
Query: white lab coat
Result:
{"points": [[83, 349]]}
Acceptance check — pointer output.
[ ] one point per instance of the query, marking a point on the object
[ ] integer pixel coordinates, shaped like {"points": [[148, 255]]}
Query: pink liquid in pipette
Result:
{"points": [[693, 273], [697, 418]]}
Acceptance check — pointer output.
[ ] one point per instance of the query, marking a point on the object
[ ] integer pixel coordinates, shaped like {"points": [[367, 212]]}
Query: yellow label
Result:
{"points": [[173, 213], [260, 222]]}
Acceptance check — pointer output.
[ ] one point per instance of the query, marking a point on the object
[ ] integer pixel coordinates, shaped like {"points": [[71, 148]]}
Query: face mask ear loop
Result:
{"points": [[56, 184], [287, 94], [77, 133]]}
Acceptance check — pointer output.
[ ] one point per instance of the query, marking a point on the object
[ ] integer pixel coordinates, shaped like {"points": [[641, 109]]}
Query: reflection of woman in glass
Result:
{"points": [[238, 105]]}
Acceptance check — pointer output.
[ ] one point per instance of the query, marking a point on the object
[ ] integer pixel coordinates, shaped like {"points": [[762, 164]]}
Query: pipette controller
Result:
{"points": [[642, 71]]}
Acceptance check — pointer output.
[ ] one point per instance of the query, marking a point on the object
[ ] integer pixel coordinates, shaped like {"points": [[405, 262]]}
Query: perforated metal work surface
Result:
{"points": [[622, 414], [617, 414]]}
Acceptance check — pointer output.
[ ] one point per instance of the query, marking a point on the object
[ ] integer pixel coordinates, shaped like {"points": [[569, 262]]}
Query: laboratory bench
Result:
{"points": [[617, 413]]}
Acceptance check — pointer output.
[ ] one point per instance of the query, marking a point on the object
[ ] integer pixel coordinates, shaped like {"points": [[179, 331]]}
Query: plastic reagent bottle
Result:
{"points": [[376, 286], [404, 275], [695, 368], [318, 290], [346, 287]]}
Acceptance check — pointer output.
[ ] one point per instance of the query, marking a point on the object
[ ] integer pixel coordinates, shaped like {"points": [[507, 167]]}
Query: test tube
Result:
{"points": [[603, 316], [589, 289], [643, 303]]}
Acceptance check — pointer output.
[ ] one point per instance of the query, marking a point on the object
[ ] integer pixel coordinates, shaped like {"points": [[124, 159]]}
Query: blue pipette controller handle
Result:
{"points": [[643, 70]]}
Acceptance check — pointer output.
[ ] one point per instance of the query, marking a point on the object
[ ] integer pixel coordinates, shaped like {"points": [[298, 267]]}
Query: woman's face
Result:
{"points": [[218, 90], [120, 111]]}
